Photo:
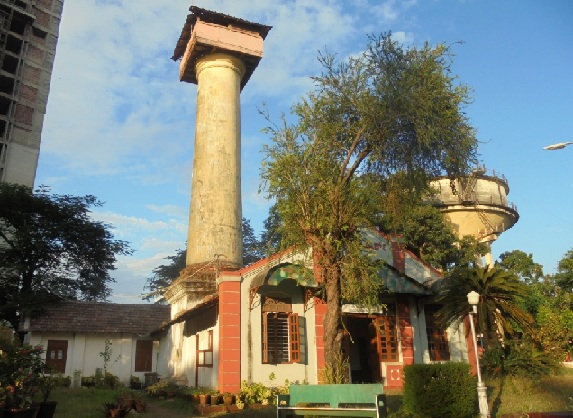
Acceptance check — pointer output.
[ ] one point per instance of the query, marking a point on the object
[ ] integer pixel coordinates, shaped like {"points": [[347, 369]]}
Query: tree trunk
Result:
{"points": [[333, 332]]}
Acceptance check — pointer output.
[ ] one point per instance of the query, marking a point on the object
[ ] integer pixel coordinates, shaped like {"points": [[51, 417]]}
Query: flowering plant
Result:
{"points": [[22, 369]]}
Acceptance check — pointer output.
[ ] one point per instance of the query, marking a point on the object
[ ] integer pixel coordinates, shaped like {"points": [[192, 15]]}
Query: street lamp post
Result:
{"points": [[473, 299]]}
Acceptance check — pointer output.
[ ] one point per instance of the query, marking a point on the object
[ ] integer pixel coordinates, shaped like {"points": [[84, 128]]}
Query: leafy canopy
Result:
{"points": [[377, 127], [500, 312], [50, 248]]}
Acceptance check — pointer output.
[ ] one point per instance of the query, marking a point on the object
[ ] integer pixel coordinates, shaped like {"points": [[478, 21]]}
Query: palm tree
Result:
{"points": [[500, 314]]}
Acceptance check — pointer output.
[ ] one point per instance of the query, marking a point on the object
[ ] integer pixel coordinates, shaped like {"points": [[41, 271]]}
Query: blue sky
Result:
{"points": [[119, 124]]}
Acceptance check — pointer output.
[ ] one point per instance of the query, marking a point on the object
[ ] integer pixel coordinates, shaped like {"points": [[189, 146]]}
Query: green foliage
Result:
{"points": [[261, 393], [522, 264], [252, 249], [271, 238], [161, 387], [21, 373], [107, 378], [564, 276], [518, 358], [376, 124], [336, 372], [164, 275], [441, 390], [555, 325], [50, 248], [500, 313], [255, 392], [426, 233]]}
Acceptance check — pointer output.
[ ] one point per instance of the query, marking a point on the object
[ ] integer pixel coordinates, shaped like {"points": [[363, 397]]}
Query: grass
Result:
{"points": [[81, 402], [507, 396], [547, 394]]}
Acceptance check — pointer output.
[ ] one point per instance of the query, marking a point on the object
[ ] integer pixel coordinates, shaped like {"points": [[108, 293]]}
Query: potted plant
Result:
{"points": [[214, 397], [47, 408], [135, 382], [139, 403], [227, 398], [22, 368], [127, 398], [88, 381], [115, 410]]}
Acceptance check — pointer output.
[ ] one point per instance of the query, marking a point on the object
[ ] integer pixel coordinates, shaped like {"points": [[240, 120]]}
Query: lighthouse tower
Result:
{"points": [[218, 53]]}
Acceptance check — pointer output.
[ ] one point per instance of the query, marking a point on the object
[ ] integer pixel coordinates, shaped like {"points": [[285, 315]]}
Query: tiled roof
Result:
{"points": [[99, 317]]}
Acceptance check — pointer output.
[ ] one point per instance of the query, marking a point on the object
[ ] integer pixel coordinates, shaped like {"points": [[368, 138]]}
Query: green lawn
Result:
{"points": [[511, 395]]}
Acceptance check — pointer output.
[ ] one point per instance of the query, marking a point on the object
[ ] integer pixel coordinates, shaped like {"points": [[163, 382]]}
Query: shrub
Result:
{"points": [[337, 371], [255, 392], [444, 390], [518, 358], [161, 387]]}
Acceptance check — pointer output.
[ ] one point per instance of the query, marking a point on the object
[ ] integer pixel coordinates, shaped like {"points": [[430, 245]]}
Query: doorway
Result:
{"points": [[360, 345]]}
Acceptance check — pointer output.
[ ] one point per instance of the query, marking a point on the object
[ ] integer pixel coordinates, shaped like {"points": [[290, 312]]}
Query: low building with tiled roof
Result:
{"points": [[75, 333]]}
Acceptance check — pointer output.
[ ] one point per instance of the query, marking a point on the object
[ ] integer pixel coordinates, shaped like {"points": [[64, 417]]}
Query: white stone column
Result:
{"points": [[215, 214]]}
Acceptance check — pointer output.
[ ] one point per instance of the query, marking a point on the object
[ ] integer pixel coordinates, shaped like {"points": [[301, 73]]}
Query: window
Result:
{"points": [[56, 355], [205, 356], [437, 337], [387, 335], [143, 355], [281, 332]]}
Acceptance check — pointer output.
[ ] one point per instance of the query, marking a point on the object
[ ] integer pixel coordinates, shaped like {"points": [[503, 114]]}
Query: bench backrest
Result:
{"points": [[335, 394]]}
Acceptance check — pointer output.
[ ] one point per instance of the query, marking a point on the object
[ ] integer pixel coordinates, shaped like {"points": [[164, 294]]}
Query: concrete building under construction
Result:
{"points": [[28, 37]]}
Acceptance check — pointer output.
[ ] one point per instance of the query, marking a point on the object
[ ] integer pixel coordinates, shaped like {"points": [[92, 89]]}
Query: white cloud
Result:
{"points": [[118, 111]]}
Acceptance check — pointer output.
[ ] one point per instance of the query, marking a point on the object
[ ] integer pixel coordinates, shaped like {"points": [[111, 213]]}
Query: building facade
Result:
{"points": [[28, 38], [266, 319]]}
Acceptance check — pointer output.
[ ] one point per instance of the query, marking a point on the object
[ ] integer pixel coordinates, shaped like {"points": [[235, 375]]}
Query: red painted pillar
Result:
{"points": [[230, 335], [319, 313]]}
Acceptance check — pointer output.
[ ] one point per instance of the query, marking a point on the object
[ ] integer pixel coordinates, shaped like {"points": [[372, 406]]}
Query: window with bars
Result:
{"points": [[281, 335], [387, 335], [438, 346]]}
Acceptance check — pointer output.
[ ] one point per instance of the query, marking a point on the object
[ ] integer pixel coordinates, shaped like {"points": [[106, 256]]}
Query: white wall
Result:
{"points": [[84, 353]]}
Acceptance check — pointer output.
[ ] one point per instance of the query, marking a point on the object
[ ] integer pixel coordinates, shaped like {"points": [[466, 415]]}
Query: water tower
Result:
{"points": [[476, 205]]}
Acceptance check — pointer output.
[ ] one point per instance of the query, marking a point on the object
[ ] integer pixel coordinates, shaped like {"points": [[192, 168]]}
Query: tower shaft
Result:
{"points": [[215, 212]]}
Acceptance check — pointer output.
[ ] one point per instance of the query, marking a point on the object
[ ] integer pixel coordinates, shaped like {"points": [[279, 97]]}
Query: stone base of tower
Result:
{"points": [[197, 282]]}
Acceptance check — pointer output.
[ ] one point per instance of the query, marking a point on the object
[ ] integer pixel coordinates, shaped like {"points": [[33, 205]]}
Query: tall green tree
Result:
{"points": [[521, 264], [427, 233], [271, 236], [500, 312], [252, 248], [165, 274], [50, 248], [564, 275], [391, 113]]}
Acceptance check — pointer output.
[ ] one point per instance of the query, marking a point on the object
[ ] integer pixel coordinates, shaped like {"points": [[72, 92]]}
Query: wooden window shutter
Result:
{"points": [[294, 338], [143, 355], [265, 338]]}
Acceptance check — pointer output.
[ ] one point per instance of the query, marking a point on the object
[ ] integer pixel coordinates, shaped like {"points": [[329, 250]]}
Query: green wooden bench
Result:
{"points": [[360, 400]]}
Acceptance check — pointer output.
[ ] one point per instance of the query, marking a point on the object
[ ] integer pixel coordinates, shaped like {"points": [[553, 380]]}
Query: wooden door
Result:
{"points": [[56, 355]]}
